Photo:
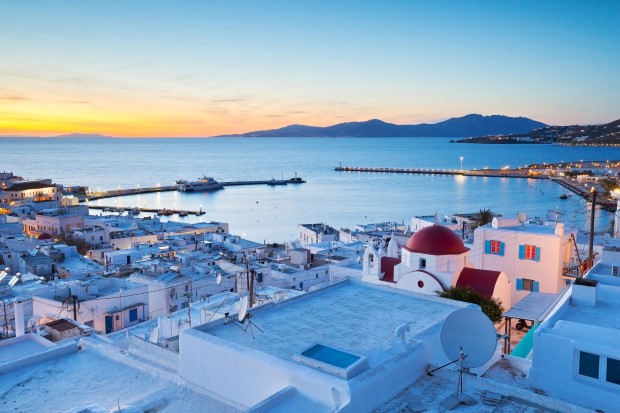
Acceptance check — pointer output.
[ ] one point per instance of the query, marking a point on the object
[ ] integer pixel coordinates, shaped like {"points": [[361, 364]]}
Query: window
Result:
{"points": [[613, 371], [529, 252], [494, 247], [422, 263], [525, 284], [133, 315], [588, 364]]}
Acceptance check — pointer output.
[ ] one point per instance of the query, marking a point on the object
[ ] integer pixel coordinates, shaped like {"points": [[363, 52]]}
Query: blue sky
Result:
{"points": [[200, 68]]}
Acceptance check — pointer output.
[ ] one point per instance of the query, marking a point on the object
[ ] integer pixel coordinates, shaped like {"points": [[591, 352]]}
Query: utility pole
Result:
{"points": [[74, 298], [251, 273], [591, 247], [6, 321], [189, 304]]}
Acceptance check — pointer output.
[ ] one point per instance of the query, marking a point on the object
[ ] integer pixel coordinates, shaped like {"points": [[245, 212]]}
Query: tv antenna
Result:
{"points": [[244, 315], [521, 217], [467, 333]]}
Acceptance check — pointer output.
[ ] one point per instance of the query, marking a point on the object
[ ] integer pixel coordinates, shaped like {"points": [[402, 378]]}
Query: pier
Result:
{"points": [[497, 173], [146, 190], [529, 172], [163, 211]]}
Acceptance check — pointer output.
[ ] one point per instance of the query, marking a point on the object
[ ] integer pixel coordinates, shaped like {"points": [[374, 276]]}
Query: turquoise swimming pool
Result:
{"points": [[331, 356]]}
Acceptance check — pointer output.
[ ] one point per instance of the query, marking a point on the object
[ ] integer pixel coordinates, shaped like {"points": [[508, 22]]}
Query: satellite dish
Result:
{"points": [[243, 308], [218, 279], [521, 217], [473, 332]]}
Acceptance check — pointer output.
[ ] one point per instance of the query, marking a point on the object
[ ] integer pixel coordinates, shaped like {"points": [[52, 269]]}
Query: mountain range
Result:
{"points": [[604, 134], [469, 125]]}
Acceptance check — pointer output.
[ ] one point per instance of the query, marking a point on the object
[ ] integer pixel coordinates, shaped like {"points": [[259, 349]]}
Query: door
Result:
{"points": [[108, 324]]}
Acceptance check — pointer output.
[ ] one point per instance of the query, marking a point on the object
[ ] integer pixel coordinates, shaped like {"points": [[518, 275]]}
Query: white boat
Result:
{"points": [[205, 183]]}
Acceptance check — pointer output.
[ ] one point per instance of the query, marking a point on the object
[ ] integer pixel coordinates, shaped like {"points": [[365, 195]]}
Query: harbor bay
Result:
{"points": [[342, 199]]}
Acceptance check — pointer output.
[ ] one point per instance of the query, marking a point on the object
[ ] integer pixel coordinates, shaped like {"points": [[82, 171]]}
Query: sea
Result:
{"points": [[341, 199]]}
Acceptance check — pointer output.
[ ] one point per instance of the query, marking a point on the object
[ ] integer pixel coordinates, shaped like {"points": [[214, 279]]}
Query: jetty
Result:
{"points": [[146, 190], [552, 172], [134, 210], [498, 173]]}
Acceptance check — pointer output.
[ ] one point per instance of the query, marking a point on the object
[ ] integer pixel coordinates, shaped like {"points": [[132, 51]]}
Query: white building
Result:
{"points": [[576, 355], [173, 288], [433, 260], [106, 304], [386, 338], [313, 233]]}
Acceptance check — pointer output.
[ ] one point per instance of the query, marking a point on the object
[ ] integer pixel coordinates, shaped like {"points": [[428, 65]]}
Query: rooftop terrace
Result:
{"points": [[349, 316]]}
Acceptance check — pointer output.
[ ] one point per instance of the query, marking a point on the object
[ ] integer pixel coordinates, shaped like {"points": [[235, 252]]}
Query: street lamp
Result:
{"points": [[461, 163]]}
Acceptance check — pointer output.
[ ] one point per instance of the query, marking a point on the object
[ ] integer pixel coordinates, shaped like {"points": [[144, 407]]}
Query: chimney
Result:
{"points": [[585, 292], [19, 316], [559, 229]]}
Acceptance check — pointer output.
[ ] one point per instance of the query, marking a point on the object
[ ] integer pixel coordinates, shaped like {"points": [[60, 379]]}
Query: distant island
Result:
{"points": [[82, 136], [469, 125], [577, 135]]}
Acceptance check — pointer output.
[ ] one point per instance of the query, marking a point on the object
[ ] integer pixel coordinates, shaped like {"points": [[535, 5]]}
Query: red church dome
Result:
{"points": [[44, 236], [436, 240]]}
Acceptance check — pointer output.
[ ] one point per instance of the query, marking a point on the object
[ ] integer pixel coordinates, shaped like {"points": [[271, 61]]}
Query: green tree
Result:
{"points": [[482, 217], [81, 245], [492, 307]]}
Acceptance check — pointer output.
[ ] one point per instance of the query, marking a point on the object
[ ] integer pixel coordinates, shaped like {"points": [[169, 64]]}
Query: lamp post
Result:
{"points": [[461, 158]]}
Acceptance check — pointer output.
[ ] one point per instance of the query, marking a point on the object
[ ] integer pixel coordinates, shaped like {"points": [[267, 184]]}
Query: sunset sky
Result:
{"points": [[203, 68]]}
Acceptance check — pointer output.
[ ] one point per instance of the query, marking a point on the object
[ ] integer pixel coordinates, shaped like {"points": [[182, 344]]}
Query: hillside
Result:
{"points": [[605, 134], [469, 125]]}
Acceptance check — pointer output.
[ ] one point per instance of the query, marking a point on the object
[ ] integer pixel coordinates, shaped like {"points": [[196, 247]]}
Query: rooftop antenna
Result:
{"points": [[243, 315], [243, 309], [469, 334], [521, 217]]}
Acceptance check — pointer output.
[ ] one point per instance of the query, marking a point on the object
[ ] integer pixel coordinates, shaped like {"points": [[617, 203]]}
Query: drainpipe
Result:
{"points": [[19, 316]]}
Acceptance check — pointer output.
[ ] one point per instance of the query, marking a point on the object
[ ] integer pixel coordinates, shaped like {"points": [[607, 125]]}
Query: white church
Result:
{"points": [[433, 260]]}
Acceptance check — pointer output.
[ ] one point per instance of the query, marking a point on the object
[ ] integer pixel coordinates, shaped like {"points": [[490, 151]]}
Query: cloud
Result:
{"points": [[13, 98]]}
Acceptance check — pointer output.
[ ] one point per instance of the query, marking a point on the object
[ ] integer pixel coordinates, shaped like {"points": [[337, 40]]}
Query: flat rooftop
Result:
{"points": [[350, 316], [604, 314], [531, 228], [102, 377]]}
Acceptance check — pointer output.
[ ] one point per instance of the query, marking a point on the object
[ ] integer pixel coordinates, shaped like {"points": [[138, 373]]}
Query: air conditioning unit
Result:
{"points": [[615, 270]]}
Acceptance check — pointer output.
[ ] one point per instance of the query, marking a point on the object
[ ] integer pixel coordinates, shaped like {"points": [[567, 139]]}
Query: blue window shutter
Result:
{"points": [[535, 288], [519, 284], [487, 246], [501, 248], [521, 252], [537, 254]]}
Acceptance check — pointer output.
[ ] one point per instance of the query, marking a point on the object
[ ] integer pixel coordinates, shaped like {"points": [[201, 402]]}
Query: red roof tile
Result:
{"points": [[480, 281]]}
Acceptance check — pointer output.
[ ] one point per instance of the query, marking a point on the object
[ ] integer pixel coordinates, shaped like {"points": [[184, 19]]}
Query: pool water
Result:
{"points": [[331, 356]]}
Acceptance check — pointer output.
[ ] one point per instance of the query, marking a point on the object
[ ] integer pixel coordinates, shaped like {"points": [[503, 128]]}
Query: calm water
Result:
{"points": [[337, 198]]}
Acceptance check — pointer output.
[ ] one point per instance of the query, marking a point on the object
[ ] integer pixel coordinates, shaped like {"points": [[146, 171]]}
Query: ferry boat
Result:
{"points": [[205, 183]]}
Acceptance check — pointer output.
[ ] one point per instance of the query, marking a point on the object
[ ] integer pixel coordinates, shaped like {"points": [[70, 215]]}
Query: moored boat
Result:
{"points": [[206, 183]]}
